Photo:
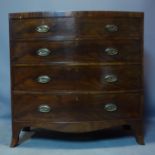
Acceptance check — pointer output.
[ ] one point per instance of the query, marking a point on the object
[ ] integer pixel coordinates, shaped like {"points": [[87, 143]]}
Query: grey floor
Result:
{"points": [[45, 143]]}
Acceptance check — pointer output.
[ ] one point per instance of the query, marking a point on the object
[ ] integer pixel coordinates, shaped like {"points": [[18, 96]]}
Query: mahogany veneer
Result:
{"points": [[76, 71]]}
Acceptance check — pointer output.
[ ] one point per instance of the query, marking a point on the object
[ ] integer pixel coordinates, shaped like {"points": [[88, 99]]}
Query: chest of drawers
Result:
{"points": [[76, 71]]}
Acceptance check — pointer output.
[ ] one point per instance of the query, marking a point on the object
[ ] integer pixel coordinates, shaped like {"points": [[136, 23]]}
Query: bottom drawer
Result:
{"points": [[76, 108]]}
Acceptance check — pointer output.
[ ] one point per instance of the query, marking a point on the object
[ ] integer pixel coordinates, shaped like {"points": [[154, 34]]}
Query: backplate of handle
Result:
{"points": [[111, 51], [42, 28], [111, 28], [43, 52], [110, 107], [44, 108], [110, 78], [43, 79]]}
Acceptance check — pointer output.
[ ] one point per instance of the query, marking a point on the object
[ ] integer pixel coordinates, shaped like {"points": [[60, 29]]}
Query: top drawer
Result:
{"points": [[69, 28]]}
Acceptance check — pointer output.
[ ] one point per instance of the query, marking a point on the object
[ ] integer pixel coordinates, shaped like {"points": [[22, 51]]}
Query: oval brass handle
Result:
{"points": [[110, 107], [42, 28], [43, 79], [110, 78], [43, 52], [44, 108], [111, 28], [111, 51]]}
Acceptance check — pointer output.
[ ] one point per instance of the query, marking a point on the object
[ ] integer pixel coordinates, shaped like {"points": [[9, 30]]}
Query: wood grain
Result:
{"points": [[77, 65], [77, 51]]}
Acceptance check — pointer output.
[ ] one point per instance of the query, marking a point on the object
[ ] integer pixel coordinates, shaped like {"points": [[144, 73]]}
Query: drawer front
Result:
{"points": [[110, 27], [85, 78], [74, 108], [71, 28], [76, 51], [49, 28]]}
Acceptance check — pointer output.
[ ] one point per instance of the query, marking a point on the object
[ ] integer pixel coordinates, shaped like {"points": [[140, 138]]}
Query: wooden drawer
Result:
{"points": [[72, 28], [59, 28], [109, 28], [74, 108], [76, 51], [83, 78]]}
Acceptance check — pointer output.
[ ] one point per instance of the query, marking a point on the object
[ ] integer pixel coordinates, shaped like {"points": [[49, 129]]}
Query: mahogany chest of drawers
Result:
{"points": [[76, 71]]}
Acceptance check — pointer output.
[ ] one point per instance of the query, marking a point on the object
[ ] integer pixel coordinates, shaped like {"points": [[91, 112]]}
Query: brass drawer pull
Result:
{"points": [[110, 107], [42, 28], [111, 28], [44, 108], [111, 51], [43, 79], [110, 78], [43, 52]]}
